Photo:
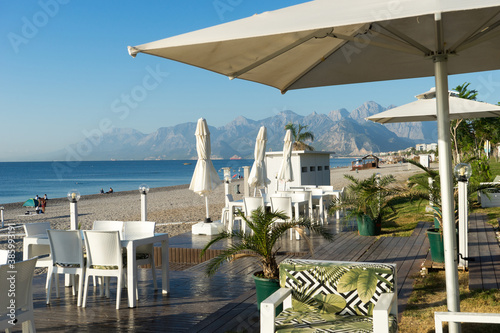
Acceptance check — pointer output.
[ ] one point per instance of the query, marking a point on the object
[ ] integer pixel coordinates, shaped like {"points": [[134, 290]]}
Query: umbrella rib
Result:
{"points": [[475, 33], [400, 48], [478, 39], [408, 40], [278, 53]]}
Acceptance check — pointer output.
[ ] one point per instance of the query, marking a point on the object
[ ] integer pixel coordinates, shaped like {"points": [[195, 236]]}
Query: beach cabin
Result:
{"points": [[367, 162], [308, 168]]}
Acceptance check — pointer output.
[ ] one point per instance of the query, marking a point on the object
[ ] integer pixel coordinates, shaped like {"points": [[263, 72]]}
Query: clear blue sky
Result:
{"points": [[65, 69]]}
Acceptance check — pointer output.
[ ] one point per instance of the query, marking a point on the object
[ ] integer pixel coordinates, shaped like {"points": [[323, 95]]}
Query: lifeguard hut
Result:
{"points": [[367, 162]]}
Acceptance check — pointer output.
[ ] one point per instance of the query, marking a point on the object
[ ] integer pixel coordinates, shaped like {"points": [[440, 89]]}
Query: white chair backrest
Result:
{"points": [[108, 226], [229, 198], [282, 204], [134, 229], [36, 228], [103, 248], [4, 256], [252, 203], [66, 246], [24, 278], [326, 188], [316, 191]]}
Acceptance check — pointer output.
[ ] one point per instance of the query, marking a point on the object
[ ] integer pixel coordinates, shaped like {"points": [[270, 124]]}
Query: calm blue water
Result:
{"points": [[20, 181]]}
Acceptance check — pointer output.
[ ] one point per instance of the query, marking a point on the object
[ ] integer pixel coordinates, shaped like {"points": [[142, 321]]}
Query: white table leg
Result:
{"points": [[131, 274], [165, 271]]}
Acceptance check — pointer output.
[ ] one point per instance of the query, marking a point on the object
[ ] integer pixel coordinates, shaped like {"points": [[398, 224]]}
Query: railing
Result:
{"points": [[464, 317]]}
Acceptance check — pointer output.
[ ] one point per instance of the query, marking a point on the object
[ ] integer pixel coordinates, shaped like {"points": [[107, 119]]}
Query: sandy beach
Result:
{"points": [[175, 209]]}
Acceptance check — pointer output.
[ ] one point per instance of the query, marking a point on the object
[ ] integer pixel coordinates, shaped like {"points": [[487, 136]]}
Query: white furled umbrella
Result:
{"points": [[425, 110], [331, 42], [285, 173], [258, 175], [205, 177]]}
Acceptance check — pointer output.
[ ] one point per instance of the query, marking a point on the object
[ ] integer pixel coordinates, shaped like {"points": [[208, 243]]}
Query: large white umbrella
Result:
{"points": [[285, 173], [205, 177], [330, 42], [425, 110], [258, 176]]}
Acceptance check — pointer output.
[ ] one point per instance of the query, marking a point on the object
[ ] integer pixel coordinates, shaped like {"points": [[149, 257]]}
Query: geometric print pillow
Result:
{"points": [[342, 288]]}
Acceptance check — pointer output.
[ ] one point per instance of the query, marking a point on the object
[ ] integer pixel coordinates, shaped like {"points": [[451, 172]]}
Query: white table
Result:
{"points": [[325, 194], [233, 205], [131, 246]]}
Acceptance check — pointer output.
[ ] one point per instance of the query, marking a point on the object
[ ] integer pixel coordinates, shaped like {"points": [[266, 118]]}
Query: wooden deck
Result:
{"points": [[223, 303], [484, 271]]}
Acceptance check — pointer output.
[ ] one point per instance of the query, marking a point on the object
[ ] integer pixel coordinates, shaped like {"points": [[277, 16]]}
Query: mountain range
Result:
{"points": [[340, 131]]}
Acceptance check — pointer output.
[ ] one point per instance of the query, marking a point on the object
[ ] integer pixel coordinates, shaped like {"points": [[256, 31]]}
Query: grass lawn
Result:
{"points": [[429, 296]]}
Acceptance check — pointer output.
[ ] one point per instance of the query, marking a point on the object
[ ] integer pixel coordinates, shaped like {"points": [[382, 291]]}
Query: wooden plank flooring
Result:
{"points": [[224, 303], [484, 271]]}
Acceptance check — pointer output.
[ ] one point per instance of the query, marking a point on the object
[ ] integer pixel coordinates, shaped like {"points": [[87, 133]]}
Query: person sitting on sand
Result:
{"points": [[110, 190]]}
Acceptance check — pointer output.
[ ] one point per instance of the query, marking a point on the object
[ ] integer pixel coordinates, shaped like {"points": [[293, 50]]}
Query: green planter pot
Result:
{"points": [[436, 244], [265, 288], [366, 226]]}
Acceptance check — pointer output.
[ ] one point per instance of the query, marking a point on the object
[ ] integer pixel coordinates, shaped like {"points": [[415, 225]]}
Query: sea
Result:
{"points": [[20, 181]]}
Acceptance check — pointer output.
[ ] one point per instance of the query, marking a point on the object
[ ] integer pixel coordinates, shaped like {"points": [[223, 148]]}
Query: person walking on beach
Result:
{"points": [[43, 203]]}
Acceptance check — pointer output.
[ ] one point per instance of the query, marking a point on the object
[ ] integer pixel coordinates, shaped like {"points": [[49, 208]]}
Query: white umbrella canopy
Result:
{"points": [[331, 42], [258, 176], [425, 110], [205, 177], [285, 173]]}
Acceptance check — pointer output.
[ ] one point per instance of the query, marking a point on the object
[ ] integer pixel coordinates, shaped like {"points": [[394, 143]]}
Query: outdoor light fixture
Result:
{"points": [[73, 196], [462, 172], [144, 189]]}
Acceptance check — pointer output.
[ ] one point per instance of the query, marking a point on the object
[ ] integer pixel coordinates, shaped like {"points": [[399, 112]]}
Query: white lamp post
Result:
{"points": [[462, 172], [73, 197], [1, 214], [144, 189], [227, 179]]}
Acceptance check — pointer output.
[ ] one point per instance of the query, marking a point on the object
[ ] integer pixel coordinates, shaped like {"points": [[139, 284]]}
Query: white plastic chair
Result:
{"points": [[144, 253], [225, 210], [251, 204], [67, 256], [284, 205], [109, 226], [35, 250], [23, 296], [104, 258], [4, 256]]}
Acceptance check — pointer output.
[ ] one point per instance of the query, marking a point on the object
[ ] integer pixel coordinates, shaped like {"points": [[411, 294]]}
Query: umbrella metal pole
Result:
{"points": [[445, 171]]}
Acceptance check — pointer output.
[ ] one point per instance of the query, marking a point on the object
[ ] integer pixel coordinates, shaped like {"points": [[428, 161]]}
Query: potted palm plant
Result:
{"points": [[261, 245], [370, 201]]}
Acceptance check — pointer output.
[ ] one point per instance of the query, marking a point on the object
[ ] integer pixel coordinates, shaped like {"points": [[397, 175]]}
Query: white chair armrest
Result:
{"points": [[268, 308], [381, 312]]}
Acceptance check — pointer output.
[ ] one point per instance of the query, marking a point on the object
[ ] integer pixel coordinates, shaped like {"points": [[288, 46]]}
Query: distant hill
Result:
{"points": [[340, 131]]}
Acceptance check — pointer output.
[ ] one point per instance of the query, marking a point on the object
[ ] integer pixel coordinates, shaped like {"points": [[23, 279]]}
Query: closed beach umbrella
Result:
{"points": [[258, 176], [205, 177], [30, 203], [332, 42], [285, 173]]}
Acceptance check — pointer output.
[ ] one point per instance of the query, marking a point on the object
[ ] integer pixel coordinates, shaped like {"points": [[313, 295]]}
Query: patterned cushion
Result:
{"points": [[336, 288], [293, 321]]}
